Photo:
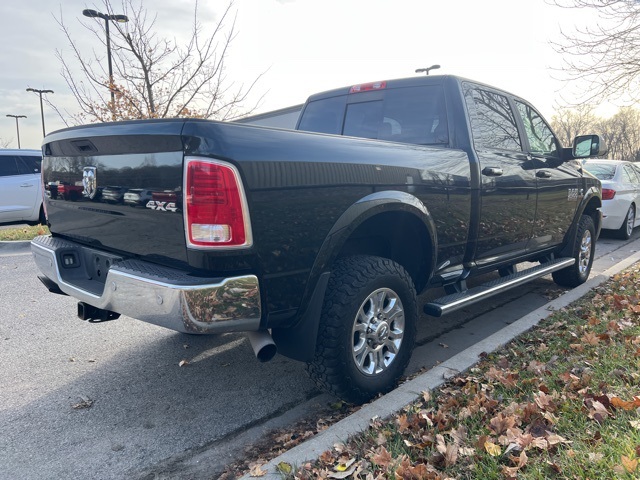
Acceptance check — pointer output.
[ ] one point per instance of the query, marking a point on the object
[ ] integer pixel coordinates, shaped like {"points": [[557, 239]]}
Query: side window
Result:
{"points": [[323, 116], [33, 163], [28, 165], [8, 166], [540, 136], [493, 124], [629, 175]]}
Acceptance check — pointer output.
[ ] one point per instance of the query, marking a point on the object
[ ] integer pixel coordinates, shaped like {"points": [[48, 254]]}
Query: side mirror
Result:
{"points": [[585, 146]]}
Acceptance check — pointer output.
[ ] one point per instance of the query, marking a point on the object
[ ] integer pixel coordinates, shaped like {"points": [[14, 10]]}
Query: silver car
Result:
{"points": [[20, 188], [620, 194]]}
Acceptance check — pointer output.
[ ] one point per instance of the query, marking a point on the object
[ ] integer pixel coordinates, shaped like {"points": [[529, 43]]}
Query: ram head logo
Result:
{"points": [[89, 182]]}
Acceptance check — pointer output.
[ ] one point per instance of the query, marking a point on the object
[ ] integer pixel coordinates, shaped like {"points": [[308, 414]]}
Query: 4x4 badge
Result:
{"points": [[89, 182]]}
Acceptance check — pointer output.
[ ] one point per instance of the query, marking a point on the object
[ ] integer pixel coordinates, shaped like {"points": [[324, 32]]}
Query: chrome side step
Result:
{"points": [[451, 303]]}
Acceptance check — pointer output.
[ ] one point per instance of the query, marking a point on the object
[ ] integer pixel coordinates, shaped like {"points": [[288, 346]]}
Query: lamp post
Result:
{"points": [[106, 17], [17, 127], [426, 70], [40, 92]]}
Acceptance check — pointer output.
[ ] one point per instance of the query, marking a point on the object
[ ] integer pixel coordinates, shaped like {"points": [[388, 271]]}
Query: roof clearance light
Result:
{"points": [[367, 87]]}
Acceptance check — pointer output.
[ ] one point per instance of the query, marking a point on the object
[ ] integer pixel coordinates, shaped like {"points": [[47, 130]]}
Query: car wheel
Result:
{"points": [[625, 231], [367, 328], [583, 250]]}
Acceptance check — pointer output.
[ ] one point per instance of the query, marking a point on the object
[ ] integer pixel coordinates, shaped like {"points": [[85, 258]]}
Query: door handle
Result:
{"points": [[543, 174], [27, 185], [492, 171]]}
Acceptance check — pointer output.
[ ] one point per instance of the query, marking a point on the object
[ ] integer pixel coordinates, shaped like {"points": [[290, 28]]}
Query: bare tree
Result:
{"points": [[607, 52], [622, 134], [570, 122], [157, 78], [5, 143]]}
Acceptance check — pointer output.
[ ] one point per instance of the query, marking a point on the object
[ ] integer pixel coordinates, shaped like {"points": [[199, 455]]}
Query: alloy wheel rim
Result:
{"points": [[585, 252], [631, 219], [378, 331]]}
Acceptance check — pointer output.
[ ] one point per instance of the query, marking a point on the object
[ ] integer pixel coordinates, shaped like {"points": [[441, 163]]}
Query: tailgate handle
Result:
{"points": [[84, 146]]}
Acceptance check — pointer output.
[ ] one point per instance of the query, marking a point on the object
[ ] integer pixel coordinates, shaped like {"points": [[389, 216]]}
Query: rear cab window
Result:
{"points": [[415, 115]]}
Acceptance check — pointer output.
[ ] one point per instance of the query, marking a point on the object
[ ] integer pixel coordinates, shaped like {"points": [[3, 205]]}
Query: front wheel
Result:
{"points": [[367, 328], [584, 247]]}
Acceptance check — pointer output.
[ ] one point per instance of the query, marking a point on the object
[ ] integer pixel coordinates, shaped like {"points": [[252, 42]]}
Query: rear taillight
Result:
{"points": [[608, 194], [216, 212], [44, 196]]}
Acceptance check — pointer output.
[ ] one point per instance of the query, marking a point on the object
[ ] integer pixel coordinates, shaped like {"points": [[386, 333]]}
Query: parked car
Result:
{"points": [[113, 194], [20, 188], [620, 194], [137, 197]]}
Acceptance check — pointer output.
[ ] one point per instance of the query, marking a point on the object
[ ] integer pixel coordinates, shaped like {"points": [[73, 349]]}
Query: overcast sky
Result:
{"points": [[304, 46]]}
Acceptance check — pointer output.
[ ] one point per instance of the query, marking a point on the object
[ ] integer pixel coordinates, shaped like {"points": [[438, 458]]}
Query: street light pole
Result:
{"points": [[17, 127], [426, 70], [40, 92], [107, 17]]}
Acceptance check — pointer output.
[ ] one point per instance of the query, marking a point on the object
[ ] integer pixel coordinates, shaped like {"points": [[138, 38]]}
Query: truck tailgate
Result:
{"points": [[88, 172]]}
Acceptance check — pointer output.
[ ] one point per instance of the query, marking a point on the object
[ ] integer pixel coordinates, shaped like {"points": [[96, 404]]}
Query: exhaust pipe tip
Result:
{"points": [[264, 348]]}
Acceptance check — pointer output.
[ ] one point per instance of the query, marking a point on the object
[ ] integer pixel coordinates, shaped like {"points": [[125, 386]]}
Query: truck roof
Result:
{"points": [[416, 81]]}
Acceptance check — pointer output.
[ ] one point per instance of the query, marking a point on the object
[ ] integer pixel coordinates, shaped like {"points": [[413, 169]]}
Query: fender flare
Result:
{"points": [[299, 340], [589, 196]]}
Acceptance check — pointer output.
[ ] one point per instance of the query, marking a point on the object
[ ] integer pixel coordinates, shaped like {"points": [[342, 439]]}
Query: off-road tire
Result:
{"points": [[626, 229], [353, 282], [584, 247]]}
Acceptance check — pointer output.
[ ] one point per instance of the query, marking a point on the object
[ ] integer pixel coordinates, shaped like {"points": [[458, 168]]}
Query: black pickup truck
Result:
{"points": [[315, 242]]}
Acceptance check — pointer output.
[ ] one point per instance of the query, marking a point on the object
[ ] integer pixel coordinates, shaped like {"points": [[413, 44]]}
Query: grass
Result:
{"points": [[23, 233], [562, 401]]}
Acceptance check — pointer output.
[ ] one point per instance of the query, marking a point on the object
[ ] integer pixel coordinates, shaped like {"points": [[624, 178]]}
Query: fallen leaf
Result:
{"points": [[492, 449], [382, 457], [183, 363], [595, 457], [345, 474], [629, 464], [285, 468], [85, 402], [619, 403], [590, 338], [344, 465], [257, 471], [443, 345]]}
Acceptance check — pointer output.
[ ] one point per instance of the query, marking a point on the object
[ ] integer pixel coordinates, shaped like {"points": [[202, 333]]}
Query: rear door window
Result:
{"points": [[29, 164], [493, 124], [8, 166], [629, 175]]}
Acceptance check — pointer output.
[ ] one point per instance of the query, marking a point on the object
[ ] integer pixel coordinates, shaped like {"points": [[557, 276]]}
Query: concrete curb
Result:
{"points": [[10, 248], [411, 391]]}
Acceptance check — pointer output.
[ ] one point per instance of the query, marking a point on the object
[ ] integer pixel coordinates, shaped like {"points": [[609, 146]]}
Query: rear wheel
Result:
{"points": [[584, 247], [625, 231], [367, 328]]}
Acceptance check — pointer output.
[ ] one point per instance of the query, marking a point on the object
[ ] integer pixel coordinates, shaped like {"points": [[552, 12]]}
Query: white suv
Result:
{"points": [[20, 189]]}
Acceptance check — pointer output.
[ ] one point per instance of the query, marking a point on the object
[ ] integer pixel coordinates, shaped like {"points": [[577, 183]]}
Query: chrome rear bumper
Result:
{"points": [[151, 293]]}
